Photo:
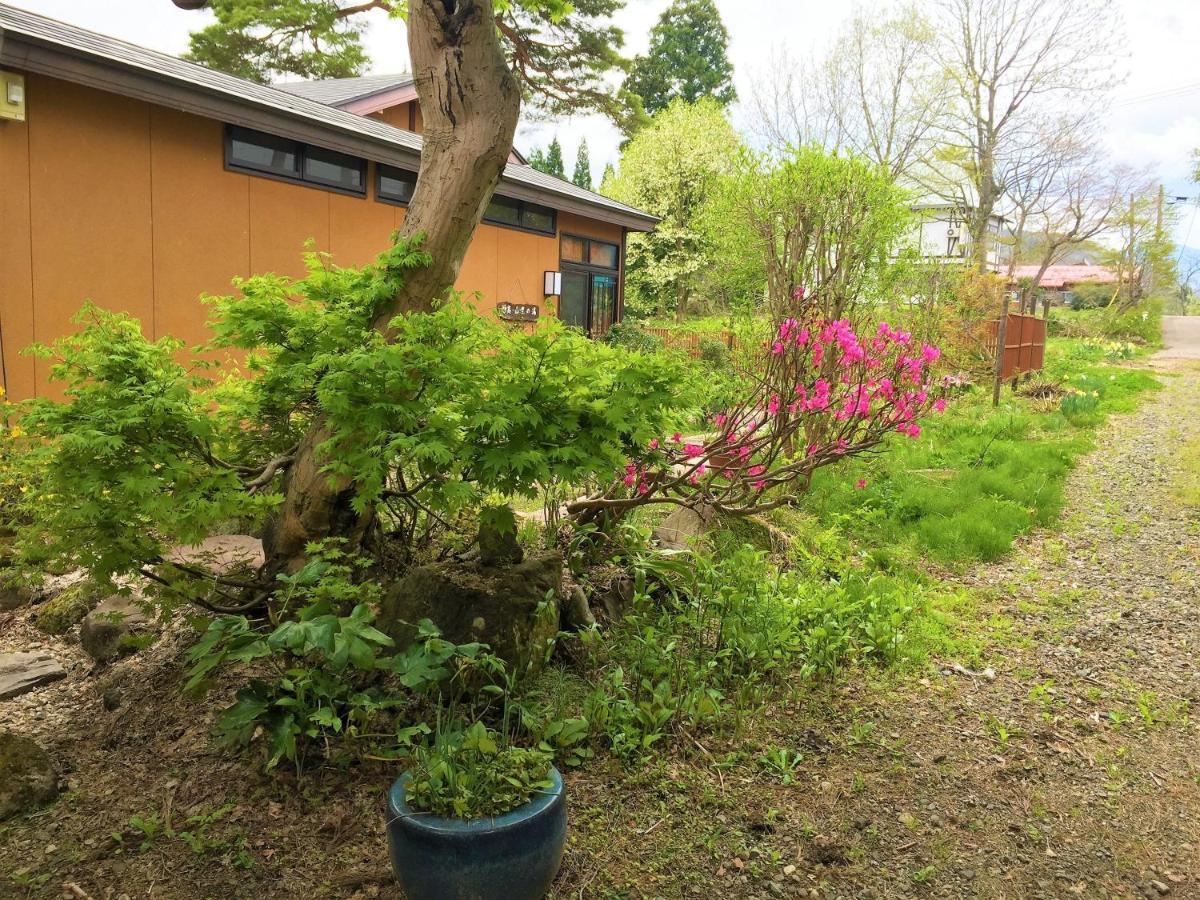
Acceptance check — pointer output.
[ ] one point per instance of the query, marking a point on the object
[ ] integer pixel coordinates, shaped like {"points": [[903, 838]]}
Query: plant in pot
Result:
{"points": [[473, 818]]}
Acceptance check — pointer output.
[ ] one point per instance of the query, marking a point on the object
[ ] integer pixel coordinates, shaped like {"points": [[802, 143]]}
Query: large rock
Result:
{"points": [[14, 595], [28, 778], [680, 529], [115, 628], [20, 673], [221, 553], [512, 609], [58, 614]]}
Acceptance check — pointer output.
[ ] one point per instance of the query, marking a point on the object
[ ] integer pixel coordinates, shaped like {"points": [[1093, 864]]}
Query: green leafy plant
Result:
{"points": [[782, 763], [329, 671], [467, 773]]}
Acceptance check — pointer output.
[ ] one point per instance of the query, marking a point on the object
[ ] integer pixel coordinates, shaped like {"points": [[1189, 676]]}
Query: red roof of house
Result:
{"points": [[1058, 277]]}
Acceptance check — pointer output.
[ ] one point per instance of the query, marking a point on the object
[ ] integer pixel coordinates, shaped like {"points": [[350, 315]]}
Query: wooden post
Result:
{"points": [[1001, 336]]}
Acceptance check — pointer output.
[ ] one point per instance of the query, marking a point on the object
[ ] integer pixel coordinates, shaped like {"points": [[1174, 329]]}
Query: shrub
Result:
{"points": [[423, 425], [1090, 295], [714, 354], [823, 395], [629, 336]]}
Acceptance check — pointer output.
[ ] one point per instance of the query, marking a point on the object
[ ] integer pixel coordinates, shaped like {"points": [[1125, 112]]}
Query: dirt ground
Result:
{"points": [[1064, 762]]}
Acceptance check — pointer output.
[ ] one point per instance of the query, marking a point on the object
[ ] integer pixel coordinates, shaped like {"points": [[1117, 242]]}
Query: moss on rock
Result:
{"points": [[59, 614], [27, 775]]}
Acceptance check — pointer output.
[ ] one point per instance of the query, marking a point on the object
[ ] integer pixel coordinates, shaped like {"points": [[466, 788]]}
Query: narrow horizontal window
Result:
{"points": [[267, 154], [394, 185], [503, 211], [519, 214], [335, 169], [264, 152]]}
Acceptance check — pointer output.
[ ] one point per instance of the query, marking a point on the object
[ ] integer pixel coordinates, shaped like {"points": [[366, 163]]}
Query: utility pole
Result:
{"points": [[1158, 233]]}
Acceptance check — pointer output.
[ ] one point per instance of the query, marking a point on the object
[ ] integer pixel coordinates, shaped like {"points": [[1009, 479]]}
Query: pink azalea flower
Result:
{"points": [[693, 449], [861, 483], [759, 485], [654, 444], [677, 437], [939, 405]]}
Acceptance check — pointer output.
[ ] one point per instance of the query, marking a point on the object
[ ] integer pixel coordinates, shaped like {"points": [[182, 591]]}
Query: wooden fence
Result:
{"points": [[1024, 344], [689, 341]]}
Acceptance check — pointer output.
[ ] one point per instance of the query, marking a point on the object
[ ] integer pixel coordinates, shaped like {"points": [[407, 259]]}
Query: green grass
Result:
{"points": [[979, 476]]}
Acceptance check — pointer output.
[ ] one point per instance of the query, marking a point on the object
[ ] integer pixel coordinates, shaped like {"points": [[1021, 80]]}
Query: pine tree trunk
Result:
{"points": [[470, 102]]}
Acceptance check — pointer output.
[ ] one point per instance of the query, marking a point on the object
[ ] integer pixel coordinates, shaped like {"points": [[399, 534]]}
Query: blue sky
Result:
{"points": [[1153, 121]]}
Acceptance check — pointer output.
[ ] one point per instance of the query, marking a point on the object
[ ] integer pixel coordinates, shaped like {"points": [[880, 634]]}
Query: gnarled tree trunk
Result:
{"points": [[470, 102]]}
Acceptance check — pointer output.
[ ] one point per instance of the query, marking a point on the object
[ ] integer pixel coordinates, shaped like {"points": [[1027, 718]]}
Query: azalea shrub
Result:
{"points": [[823, 394]]}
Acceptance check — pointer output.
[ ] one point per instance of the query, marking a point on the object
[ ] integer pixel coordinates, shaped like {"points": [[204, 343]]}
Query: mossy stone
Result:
{"points": [[28, 778], [512, 609], [58, 614]]}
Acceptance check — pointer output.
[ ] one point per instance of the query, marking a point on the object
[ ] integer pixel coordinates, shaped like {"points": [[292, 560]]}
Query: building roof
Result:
{"points": [[1058, 277], [49, 47], [339, 91]]}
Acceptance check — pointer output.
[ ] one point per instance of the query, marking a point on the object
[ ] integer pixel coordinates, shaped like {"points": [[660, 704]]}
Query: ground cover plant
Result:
{"points": [[982, 477]]}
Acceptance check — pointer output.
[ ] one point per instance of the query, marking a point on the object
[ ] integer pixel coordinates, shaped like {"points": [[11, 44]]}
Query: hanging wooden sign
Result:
{"points": [[517, 312]]}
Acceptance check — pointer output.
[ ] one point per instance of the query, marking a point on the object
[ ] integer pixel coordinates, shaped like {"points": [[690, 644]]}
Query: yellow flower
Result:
{"points": [[15, 432]]}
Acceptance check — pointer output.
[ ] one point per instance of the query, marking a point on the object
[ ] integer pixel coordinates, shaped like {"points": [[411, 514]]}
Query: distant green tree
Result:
{"points": [[672, 168], [582, 175], [537, 159], [607, 179], [687, 60], [550, 162]]}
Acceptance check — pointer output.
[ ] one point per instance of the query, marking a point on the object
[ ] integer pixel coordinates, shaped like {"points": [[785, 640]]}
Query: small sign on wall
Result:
{"points": [[517, 312]]}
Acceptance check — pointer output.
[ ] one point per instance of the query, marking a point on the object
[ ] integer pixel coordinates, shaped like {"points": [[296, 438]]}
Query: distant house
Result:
{"points": [[142, 181], [941, 234], [1058, 281]]}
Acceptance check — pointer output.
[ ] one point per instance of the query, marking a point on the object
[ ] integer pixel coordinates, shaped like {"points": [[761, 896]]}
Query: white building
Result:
{"points": [[942, 235]]}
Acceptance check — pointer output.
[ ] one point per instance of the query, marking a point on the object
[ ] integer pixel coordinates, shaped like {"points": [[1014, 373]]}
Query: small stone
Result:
{"points": [[1162, 887]]}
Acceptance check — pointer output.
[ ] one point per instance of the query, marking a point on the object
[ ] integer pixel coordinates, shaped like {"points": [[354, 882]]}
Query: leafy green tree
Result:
{"points": [[816, 228], [582, 175], [561, 53], [671, 168], [688, 58], [554, 160], [420, 425], [549, 160], [261, 39], [606, 180]]}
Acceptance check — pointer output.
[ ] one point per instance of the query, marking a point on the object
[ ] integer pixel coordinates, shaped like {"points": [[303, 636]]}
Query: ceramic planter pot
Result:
{"points": [[510, 857]]}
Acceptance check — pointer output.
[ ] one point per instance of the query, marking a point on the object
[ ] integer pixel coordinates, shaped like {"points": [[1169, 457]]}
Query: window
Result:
{"points": [[394, 185], [266, 154], [335, 170], [598, 254], [520, 214]]}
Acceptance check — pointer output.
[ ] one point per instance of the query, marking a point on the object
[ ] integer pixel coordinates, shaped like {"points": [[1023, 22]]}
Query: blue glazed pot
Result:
{"points": [[510, 857]]}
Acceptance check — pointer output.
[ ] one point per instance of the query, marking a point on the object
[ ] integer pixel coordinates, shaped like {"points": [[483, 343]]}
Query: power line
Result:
{"points": [[1163, 94]]}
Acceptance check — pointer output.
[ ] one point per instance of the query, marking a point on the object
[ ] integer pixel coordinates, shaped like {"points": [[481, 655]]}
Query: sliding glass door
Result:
{"points": [[589, 285]]}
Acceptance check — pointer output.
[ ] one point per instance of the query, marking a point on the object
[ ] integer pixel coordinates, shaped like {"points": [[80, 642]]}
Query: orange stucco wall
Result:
{"points": [[128, 204]]}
